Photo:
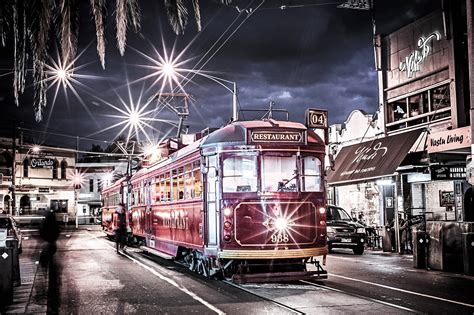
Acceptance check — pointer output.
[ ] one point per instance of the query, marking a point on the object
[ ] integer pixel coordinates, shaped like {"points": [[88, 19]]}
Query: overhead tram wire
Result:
{"points": [[193, 71], [299, 6]]}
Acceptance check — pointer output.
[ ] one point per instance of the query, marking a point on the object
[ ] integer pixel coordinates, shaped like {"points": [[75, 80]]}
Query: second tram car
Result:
{"points": [[247, 201]]}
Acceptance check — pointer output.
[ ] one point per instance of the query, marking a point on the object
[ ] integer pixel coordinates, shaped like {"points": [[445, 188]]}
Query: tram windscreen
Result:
{"points": [[311, 178], [240, 174], [279, 173]]}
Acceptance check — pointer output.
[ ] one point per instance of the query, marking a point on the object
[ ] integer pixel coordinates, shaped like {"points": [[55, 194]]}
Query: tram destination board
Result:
{"points": [[316, 118], [280, 137]]}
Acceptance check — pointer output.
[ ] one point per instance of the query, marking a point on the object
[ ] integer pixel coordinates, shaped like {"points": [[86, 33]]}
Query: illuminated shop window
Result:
{"points": [[421, 108]]}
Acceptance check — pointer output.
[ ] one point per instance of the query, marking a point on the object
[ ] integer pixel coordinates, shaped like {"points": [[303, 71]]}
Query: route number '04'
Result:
{"points": [[280, 238], [317, 118]]}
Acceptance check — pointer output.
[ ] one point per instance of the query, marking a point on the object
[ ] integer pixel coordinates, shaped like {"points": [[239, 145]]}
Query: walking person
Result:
{"points": [[121, 230]]}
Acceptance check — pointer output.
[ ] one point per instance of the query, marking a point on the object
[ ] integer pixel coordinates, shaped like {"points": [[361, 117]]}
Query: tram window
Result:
{"points": [[165, 184], [240, 174], [278, 173], [197, 189], [157, 189], [174, 187], [311, 176], [188, 181], [181, 183]]}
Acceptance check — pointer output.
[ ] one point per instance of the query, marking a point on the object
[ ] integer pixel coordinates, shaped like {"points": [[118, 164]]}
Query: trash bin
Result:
{"points": [[420, 249], [13, 244], [387, 239], [468, 253], [6, 276]]}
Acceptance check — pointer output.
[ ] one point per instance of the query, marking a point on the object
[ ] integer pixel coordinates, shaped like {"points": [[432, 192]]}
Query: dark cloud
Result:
{"points": [[309, 56]]}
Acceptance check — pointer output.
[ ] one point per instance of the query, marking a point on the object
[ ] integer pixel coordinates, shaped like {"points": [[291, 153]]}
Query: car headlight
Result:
{"points": [[330, 230], [361, 230]]}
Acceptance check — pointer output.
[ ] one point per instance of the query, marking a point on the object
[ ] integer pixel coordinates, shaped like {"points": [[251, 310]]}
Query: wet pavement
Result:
{"points": [[88, 276]]}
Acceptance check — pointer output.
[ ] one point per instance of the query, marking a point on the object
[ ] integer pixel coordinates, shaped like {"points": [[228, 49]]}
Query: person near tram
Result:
{"points": [[121, 230]]}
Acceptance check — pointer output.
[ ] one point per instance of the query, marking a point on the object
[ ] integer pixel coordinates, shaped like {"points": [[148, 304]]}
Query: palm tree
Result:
{"points": [[31, 22]]}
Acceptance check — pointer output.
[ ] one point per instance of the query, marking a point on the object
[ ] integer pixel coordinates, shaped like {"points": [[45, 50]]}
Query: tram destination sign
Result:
{"points": [[280, 137], [316, 118]]}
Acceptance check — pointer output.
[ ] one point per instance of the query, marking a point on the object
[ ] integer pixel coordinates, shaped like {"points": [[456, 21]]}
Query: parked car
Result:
{"points": [[9, 230], [343, 231]]}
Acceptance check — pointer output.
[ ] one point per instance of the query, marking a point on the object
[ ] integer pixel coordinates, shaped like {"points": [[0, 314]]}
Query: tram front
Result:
{"points": [[265, 200]]}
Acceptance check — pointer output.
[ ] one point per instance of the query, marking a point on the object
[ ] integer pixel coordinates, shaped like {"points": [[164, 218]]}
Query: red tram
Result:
{"points": [[112, 196], [247, 201]]}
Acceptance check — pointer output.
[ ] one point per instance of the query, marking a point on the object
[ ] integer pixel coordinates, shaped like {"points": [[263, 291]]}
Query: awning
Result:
{"points": [[372, 159]]}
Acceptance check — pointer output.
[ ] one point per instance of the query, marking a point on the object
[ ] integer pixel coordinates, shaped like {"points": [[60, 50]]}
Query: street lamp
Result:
{"points": [[77, 182], [169, 70]]}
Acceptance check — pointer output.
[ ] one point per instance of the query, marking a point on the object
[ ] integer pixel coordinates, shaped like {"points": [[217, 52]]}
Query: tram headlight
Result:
{"points": [[227, 225], [227, 211], [322, 210], [281, 224]]}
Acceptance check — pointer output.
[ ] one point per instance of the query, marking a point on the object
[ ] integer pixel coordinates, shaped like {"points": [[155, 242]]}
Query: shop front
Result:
{"points": [[366, 179]]}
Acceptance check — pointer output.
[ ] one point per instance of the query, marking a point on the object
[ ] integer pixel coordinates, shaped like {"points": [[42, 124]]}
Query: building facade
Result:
{"points": [[95, 176], [419, 167], [37, 178]]}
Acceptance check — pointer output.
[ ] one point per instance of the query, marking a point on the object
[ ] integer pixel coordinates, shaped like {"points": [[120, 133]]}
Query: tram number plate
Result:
{"points": [[280, 238], [345, 240]]}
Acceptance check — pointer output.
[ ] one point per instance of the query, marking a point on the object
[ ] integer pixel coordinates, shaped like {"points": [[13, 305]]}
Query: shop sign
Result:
{"points": [[446, 198], [444, 172], [449, 140], [413, 61], [43, 190], [287, 137], [41, 163], [415, 219]]}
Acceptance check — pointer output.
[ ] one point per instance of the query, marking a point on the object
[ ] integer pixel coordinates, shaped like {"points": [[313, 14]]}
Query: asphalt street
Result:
{"points": [[88, 276]]}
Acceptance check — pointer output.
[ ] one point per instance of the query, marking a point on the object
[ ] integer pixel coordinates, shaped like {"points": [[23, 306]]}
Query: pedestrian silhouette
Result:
{"points": [[49, 231]]}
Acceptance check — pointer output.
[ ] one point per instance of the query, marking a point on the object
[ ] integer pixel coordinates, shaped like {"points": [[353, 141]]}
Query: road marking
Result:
{"points": [[362, 297], [402, 290], [170, 281]]}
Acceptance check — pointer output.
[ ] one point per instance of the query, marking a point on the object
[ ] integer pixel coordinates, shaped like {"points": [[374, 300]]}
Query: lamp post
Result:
{"points": [[77, 182], [223, 82], [170, 71]]}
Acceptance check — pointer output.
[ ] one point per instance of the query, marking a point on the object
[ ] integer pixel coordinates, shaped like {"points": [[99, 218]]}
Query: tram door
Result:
{"points": [[212, 202]]}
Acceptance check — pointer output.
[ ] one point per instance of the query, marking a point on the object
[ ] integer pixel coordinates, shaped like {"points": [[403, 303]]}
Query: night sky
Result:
{"points": [[311, 54]]}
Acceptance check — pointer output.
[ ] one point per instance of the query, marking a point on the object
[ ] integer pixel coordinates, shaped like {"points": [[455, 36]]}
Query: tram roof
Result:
{"points": [[237, 131]]}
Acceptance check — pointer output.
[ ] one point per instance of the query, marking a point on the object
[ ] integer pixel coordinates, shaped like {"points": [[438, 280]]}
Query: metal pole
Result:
{"points": [[235, 113], [470, 52], [13, 200], [395, 205]]}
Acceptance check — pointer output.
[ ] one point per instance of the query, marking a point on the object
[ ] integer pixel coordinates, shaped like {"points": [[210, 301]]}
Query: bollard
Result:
{"points": [[420, 246], [13, 244], [468, 253], [6, 276], [387, 240]]}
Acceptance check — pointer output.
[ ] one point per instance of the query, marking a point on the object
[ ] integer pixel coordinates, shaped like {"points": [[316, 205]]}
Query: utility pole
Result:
{"points": [[13, 205], [470, 53]]}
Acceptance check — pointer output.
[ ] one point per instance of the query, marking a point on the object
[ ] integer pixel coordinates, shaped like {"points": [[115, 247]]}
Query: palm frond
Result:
{"points": [[39, 20], [99, 10], [69, 22], [177, 15], [134, 14], [19, 46], [121, 21], [6, 7], [197, 14]]}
